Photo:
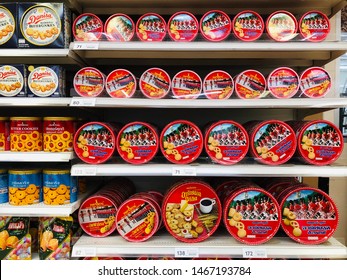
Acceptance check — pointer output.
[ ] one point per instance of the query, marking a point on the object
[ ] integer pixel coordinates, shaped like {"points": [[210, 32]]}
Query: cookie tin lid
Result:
{"points": [[250, 84], [215, 26], [181, 142], [137, 142], [119, 28], [315, 82], [11, 80], [183, 27], [151, 27], [309, 215], [25, 118], [87, 27], [192, 211], [43, 81], [314, 26], [248, 26], [186, 84], [89, 82], [226, 142], [283, 82], [8, 24], [120, 83], [282, 26], [155, 83], [258, 219], [218, 84]]}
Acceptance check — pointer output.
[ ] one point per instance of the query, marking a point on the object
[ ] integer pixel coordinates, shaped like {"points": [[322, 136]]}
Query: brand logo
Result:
{"points": [[4, 75], [19, 225], [38, 76], [57, 228], [35, 19]]}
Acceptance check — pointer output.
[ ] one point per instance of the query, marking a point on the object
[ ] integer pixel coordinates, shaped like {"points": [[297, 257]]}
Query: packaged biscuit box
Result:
{"points": [[8, 25], [45, 25], [15, 240], [13, 80]]}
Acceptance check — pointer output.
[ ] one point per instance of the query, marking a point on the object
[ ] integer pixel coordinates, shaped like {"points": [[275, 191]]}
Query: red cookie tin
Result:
{"points": [[283, 82], [95, 142], [181, 142], [87, 27], [151, 27], [89, 82], [4, 134], [119, 28], [215, 26], [282, 26], [183, 27], [226, 142], [258, 218], [58, 134], [155, 83], [137, 142], [248, 26], [218, 84], [121, 83], [314, 26], [186, 84], [250, 84], [315, 82], [192, 211]]}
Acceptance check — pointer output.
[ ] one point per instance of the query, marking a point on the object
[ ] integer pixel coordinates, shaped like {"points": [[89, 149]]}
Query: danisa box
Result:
{"points": [[13, 80], [8, 26]]}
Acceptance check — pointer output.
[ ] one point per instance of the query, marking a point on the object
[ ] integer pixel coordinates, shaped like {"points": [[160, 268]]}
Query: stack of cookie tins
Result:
{"points": [[97, 214]]}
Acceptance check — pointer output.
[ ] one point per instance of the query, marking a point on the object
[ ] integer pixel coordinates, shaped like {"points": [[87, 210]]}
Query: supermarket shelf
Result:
{"points": [[221, 244], [205, 169], [35, 101], [36, 157]]}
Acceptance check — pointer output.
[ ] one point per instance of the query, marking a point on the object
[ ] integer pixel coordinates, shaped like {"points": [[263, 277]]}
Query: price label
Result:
{"points": [[82, 102], [86, 46], [255, 253], [83, 171], [88, 252], [183, 171], [186, 252]]}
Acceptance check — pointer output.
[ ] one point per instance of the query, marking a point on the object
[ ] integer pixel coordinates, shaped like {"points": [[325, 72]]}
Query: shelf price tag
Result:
{"points": [[183, 171], [86, 46], [82, 102], [88, 252], [255, 253], [186, 252], [83, 171]]}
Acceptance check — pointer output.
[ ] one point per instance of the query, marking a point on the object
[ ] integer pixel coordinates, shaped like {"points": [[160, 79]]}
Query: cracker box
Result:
{"points": [[45, 25], [8, 25], [13, 80]]}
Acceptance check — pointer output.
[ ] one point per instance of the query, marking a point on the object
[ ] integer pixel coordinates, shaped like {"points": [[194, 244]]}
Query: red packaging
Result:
{"points": [[314, 26], [186, 84], [89, 82], [215, 26], [95, 142], [4, 134], [151, 27], [183, 27], [251, 215], [87, 27], [282, 26], [226, 142], [155, 83], [181, 142], [119, 28], [120, 83], [250, 84], [283, 82], [192, 211], [315, 82], [218, 84], [137, 142], [272, 142], [58, 134], [248, 26]]}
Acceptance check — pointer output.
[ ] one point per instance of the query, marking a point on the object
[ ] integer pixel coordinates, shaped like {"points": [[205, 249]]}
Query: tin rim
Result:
{"points": [[289, 70], [193, 18], [160, 18], [109, 35], [227, 33], [255, 37], [98, 35], [143, 90]]}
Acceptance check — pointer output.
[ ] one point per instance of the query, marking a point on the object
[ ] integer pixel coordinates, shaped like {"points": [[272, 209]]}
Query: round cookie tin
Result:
{"points": [[181, 142], [215, 26], [151, 27], [258, 221], [11, 81], [3, 186], [183, 27], [58, 134], [282, 26], [250, 84], [119, 28], [192, 211], [315, 82], [155, 83], [218, 84], [89, 82], [283, 82], [8, 24], [137, 142], [4, 134], [95, 142], [186, 84], [309, 215], [314, 26], [226, 142], [43, 81], [120, 83], [40, 25], [248, 26], [87, 27]]}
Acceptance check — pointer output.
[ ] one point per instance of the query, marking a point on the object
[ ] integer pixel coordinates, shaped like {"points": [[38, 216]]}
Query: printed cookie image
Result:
{"points": [[151, 28], [11, 81]]}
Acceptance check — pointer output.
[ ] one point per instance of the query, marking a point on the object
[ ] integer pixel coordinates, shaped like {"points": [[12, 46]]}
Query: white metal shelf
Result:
{"points": [[164, 244], [36, 156], [35, 101]]}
